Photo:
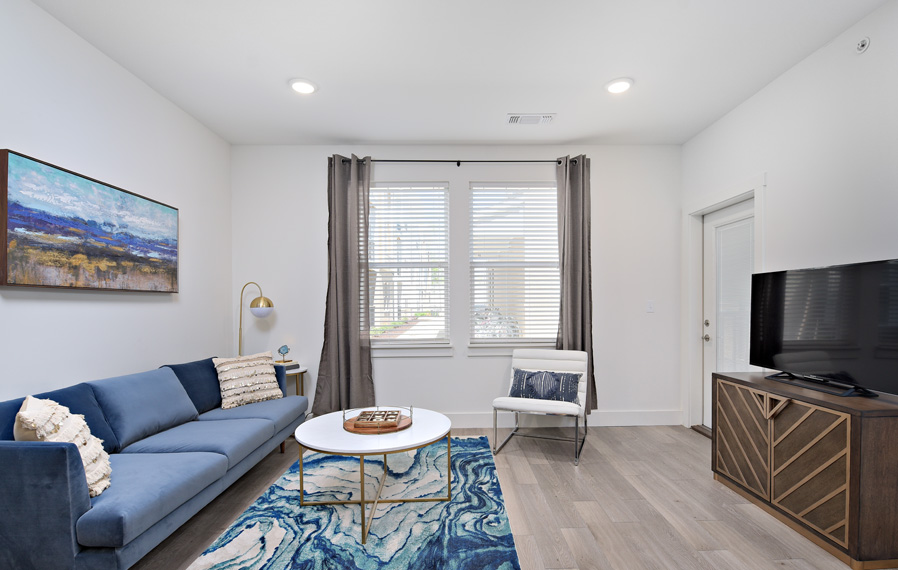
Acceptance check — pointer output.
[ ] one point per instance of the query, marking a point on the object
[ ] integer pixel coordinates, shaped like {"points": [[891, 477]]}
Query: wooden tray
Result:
{"points": [[404, 423]]}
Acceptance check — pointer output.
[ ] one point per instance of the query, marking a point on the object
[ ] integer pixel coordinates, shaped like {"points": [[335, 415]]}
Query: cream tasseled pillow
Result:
{"points": [[46, 420], [247, 379]]}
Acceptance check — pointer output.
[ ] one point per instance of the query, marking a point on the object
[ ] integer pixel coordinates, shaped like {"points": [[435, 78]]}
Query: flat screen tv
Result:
{"points": [[833, 329]]}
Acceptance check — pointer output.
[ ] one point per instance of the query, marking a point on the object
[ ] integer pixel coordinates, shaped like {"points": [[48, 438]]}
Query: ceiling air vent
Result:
{"points": [[530, 118]]}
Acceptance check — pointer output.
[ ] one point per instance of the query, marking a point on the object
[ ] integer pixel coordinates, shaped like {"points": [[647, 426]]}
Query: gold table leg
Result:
{"points": [[300, 378], [301, 493], [449, 467], [362, 502]]}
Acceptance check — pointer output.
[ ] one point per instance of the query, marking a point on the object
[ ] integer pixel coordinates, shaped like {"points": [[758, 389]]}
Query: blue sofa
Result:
{"points": [[172, 450]]}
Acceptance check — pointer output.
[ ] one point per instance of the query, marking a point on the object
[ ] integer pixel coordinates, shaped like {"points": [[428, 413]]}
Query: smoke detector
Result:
{"points": [[863, 45], [530, 118]]}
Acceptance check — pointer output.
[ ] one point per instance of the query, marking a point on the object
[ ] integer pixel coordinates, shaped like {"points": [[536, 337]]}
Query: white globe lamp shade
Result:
{"points": [[261, 312], [261, 307]]}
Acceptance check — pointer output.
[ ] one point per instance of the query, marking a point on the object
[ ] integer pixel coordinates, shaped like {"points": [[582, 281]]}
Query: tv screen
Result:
{"points": [[836, 327]]}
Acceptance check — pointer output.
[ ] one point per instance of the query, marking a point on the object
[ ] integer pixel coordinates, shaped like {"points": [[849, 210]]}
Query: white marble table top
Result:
{"points": [[326, 433], [294, 371]]}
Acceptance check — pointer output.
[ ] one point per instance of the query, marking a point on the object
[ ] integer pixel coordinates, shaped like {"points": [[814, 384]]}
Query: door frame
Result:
{"points": [[691, 326]]}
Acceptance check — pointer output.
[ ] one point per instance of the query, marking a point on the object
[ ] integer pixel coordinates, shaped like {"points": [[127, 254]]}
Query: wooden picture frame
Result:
{"points": [[64, 229]]}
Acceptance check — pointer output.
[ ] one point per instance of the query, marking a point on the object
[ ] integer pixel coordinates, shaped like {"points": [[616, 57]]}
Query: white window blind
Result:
{"points": [[408, 262], [515, 286]]}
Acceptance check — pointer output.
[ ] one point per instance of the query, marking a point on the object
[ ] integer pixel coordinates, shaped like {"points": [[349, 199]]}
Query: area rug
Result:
{"points": [[470, 532]]}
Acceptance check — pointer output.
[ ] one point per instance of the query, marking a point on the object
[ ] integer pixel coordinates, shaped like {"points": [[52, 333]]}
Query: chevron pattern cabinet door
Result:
{"points": [[742, 437], [810, 459]]}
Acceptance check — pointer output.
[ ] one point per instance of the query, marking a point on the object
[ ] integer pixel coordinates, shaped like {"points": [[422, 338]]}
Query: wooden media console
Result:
{"points": [[825, 465]]}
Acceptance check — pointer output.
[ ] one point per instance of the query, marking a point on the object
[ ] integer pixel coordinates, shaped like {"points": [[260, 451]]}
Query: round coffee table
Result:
{"points": [[325, 434]]}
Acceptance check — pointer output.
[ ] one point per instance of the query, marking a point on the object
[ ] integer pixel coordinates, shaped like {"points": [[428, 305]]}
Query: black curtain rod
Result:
{"points": [[458, 162]]}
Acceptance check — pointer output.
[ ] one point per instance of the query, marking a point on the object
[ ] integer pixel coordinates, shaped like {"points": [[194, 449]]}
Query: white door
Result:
{"points": [[727, 268]]}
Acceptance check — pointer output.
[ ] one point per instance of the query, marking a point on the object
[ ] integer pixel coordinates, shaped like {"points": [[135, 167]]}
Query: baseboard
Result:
{"points": [[596, 418]]}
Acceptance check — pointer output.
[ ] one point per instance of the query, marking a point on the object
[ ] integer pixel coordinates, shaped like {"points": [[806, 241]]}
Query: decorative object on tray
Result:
{"points": [[378, 418], [62, 229], [378, 421]]}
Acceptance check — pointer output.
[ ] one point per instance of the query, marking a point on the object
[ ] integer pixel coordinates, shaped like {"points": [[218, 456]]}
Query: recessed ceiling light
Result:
{"points": [[302, 86], [619, 85]]}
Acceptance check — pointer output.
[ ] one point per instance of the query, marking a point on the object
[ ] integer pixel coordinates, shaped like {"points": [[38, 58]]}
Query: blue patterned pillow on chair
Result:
{"points": [[545, 385]]}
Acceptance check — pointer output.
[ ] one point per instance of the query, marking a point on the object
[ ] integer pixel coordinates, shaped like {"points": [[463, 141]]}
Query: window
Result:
{"points": [[515, 284], [408, 262]]}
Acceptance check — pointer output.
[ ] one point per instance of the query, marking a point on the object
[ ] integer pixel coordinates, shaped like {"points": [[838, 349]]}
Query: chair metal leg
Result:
{"points": [[578, 444], [495, 430], [496, 433]]}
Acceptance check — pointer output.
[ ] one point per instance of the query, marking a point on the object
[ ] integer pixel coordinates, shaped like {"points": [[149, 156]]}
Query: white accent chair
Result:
{"points": [[552, 361]]}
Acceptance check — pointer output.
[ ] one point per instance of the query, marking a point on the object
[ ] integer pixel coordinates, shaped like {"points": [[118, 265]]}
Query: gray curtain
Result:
{"points": [[575, 322], [344, 373]]}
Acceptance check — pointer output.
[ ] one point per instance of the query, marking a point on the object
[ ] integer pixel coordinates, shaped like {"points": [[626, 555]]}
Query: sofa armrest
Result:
{"points": [[43, 492], [280, 373]]}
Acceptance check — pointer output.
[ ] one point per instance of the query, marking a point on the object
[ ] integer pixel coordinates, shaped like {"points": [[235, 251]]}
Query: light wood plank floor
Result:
{"points": [[642, 498]]}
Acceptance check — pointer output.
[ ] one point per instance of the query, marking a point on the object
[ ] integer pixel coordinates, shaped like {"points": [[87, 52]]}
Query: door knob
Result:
{"points": [[707, 338]]}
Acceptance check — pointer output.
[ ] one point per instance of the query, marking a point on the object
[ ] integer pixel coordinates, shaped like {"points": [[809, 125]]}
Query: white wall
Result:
{"points": [[280, 240], [64, 102], [824, 136]]}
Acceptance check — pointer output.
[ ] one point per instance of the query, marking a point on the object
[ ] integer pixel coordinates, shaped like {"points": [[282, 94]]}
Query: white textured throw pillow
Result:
{"points": [[46, 420], [247, 379]]}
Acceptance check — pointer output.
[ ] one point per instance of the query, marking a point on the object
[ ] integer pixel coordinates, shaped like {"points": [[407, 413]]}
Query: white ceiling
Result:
{"points": [[434, 71]]}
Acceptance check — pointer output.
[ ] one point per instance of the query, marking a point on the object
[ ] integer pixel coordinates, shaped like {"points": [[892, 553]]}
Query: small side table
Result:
{"points": [[300, 374]]}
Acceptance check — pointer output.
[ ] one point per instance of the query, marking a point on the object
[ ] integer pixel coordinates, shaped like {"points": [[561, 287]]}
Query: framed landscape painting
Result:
{"points": [[63, 229]]}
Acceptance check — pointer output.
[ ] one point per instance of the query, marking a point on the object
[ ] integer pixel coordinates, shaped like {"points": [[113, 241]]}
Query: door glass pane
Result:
{"points": [[735, 243]]}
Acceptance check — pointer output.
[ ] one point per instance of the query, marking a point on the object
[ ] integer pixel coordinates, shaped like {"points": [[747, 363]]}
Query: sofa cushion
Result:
{"points": [[79, 399], [200, 380], [140, 405], [247, 379], [282, 412], [539, 406], [234, 439], [146, 488], [46, 420]]}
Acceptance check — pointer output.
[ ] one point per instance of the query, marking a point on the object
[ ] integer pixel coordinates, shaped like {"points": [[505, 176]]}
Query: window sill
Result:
{"points": [[445, 350], [412, 350], [503, 348]]}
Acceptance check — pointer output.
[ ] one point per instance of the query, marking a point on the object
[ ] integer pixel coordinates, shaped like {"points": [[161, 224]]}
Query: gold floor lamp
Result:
{"points": [[260, 307]]}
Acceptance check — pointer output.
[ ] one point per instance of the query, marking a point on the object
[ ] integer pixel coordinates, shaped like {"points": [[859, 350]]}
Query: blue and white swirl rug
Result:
{"points": [[470, 532]]}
